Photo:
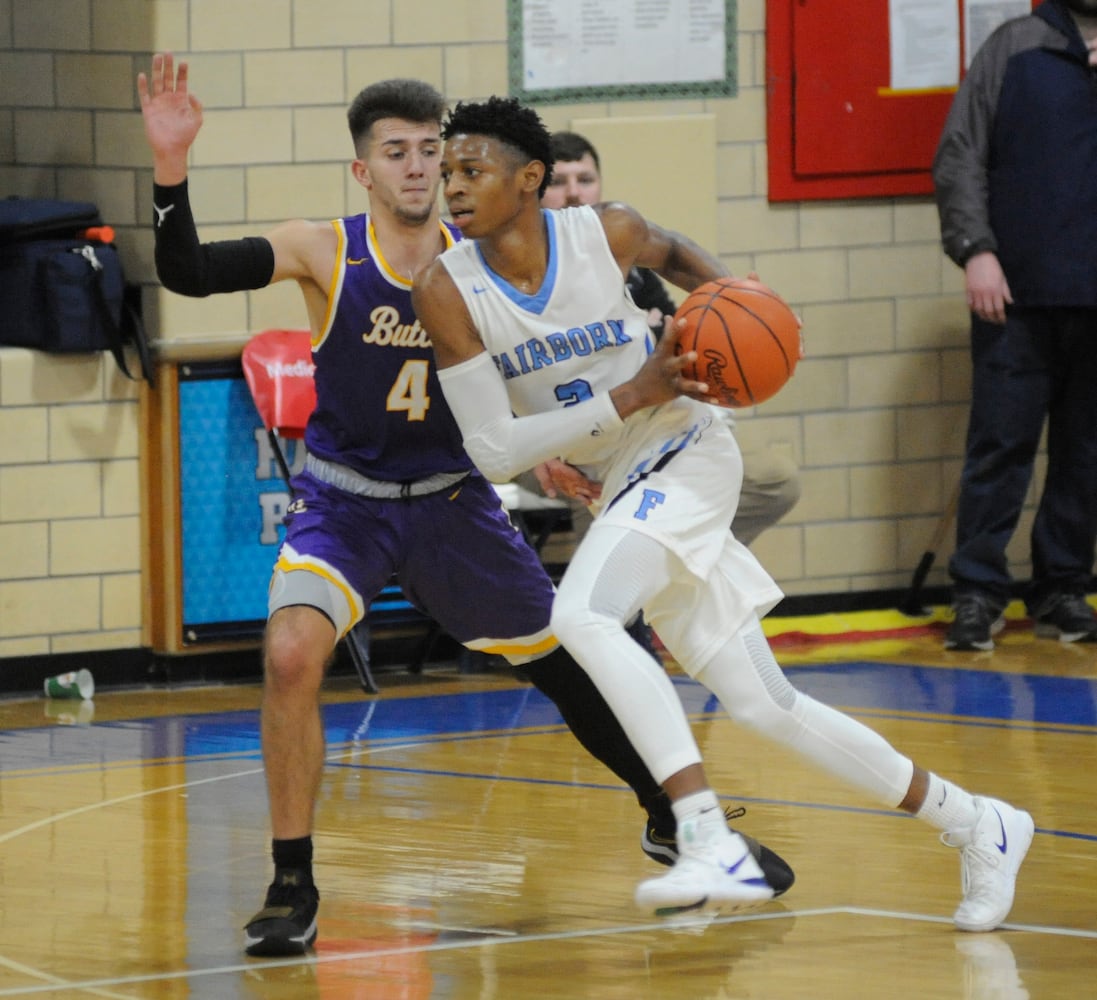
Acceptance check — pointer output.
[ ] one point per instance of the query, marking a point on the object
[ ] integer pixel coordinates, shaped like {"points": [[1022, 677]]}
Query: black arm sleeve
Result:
{"points": [[199, 269]]}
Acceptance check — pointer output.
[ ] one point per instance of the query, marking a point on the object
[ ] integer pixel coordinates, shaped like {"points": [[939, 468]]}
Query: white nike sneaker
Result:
{"points": [[991, 852], [714, 878]]}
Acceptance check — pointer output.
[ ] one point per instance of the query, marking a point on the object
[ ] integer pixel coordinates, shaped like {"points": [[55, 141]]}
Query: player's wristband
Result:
{"points": [[189, 267]]}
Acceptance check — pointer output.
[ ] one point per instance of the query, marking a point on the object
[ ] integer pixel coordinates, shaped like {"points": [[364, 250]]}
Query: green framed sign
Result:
{"points": [[569, 51]]}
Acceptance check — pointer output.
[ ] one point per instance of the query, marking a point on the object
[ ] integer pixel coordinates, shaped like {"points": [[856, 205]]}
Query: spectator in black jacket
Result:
{"points": [[1016, 181]]}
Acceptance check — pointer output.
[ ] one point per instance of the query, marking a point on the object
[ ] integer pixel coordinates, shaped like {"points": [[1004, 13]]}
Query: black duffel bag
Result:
{"points": [[62, 288]]}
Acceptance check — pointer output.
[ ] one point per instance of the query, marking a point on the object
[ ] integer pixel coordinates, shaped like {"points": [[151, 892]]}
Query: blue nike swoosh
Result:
{"points": [[732, 869], [478, 291], [1002, 846], [760, 881]]}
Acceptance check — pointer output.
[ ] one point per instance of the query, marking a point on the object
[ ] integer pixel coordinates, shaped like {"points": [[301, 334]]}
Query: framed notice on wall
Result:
{"points": [[566, 51]]}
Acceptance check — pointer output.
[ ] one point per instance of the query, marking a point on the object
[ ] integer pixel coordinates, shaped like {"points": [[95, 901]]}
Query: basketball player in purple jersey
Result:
{"points": [[387, 487]]}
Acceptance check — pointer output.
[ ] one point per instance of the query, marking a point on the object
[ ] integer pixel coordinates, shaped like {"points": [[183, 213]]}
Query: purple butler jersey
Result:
{"points": [[379, 408], [381, 415]]}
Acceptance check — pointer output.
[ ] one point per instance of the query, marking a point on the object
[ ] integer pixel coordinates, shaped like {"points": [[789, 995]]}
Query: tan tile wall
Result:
{"points": [[875, 415]]}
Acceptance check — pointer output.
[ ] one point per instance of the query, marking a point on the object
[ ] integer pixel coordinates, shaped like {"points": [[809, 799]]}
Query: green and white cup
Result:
{"points": [[74, 684]]}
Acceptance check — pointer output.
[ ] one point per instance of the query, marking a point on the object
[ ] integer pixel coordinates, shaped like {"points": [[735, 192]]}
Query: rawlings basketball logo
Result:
{"points": [[713, 372]]}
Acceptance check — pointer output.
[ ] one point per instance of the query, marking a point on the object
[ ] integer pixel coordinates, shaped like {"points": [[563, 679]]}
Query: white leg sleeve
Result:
{"points": [[607, 581], [755, 692]]}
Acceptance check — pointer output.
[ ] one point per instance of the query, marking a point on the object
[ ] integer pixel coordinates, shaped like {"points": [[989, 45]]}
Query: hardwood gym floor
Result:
{"points": [[468, 848]]}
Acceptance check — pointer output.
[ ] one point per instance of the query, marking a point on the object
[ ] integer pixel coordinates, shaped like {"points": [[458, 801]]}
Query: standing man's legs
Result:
{"points": [[1064, 533], [1010, 393]]}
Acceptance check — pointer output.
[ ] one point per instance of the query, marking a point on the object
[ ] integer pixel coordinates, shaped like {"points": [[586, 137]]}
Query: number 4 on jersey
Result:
{"points": [[409, 391]]}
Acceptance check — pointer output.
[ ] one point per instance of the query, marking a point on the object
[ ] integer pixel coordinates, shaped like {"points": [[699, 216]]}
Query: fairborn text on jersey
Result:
{"points": [[540, 352]]}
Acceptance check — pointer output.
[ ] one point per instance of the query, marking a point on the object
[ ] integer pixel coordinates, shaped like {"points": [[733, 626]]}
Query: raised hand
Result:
{"points": [[172, 116]]}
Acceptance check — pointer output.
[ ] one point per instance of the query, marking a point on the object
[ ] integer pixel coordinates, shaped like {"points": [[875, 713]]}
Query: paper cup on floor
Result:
{"points": [[74, 684]]}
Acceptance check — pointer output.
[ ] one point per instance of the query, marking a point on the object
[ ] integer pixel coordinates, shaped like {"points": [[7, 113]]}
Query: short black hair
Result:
{"points": [[567, 147], [411, 100], [509, 121]]}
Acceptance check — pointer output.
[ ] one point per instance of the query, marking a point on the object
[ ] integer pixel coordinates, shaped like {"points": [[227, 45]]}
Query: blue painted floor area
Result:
{"points": [[979, 695]]}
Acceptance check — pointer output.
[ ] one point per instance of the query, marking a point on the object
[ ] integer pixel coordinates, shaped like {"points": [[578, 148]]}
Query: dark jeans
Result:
{"points": [[1042, 364]]}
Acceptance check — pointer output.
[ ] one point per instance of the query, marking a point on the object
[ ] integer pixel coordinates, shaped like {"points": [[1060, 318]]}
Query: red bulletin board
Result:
{"points": [[835, 130]]}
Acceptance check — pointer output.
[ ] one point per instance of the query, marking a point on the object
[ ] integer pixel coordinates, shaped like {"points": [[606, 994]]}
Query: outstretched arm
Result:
{"points": [[173, 117], [501, 444]]}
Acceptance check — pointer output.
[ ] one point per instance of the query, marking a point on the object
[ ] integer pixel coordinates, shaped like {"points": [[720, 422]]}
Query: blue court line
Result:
{"points": [[970, 697]]}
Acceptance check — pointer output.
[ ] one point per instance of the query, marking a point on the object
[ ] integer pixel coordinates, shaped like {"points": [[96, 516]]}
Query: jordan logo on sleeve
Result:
{"points": [[161, 213]]}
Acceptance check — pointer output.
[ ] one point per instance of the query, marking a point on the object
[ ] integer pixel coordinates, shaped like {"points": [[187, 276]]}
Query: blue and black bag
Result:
{"points": [[62, 288]]}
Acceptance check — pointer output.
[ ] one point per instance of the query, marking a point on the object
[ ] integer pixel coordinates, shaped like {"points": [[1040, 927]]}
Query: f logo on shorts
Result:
{"points": [[648, 502]]}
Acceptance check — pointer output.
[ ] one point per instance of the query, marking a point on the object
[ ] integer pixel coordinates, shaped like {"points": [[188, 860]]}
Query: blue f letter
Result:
{"points": [[648, 502]]}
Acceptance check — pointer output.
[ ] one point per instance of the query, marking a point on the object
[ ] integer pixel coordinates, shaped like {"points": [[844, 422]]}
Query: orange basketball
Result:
{"points": [[746, 337]]}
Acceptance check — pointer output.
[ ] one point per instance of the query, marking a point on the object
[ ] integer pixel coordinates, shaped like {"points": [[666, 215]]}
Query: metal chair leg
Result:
{"points": [[357, 641]]}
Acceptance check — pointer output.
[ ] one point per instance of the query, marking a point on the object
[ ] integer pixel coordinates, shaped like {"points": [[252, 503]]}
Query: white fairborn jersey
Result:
{"points": [[579, 335]]}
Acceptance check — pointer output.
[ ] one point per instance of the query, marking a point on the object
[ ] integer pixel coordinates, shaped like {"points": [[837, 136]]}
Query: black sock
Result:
{"points": [[589, 718], [296, 853]]}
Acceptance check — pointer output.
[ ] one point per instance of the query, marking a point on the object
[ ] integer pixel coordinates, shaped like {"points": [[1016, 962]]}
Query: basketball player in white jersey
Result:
{"points": [[541, 355]]}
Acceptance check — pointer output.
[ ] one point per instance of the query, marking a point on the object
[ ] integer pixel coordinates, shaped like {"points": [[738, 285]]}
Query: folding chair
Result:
{"points": [[278, 368]]}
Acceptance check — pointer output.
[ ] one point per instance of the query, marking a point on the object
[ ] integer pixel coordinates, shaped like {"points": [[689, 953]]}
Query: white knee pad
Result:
{"points": [[754, 691]]}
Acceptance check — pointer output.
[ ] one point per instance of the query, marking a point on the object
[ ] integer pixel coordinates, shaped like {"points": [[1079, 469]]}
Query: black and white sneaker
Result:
{"points": [[286, 925], [1066, 617], [659, 842], [977, 621]]}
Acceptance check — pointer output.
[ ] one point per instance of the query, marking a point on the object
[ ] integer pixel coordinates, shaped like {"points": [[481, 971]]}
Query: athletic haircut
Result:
{"points": [[411, 100], [507, 120], [568, 147]]}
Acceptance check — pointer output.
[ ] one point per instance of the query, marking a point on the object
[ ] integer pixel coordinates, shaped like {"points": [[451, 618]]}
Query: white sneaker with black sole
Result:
{"points": [[991, 852]]}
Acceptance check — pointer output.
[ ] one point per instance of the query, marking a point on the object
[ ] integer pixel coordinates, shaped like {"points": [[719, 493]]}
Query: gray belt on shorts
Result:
{"points": [[346, 479]]}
